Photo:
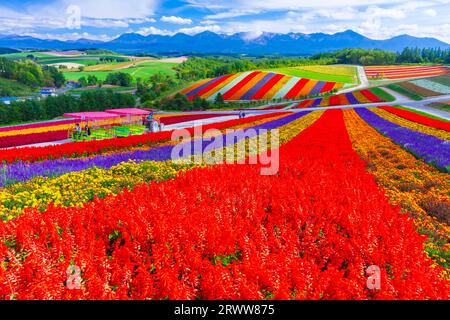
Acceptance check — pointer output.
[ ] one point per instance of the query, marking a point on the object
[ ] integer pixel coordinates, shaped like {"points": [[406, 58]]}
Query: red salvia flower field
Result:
{"points": [[226, 232]]}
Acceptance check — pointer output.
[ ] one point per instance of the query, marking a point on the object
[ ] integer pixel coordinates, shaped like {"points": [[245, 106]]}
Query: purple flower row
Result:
{"points": [[427, 147], [20, 172]]}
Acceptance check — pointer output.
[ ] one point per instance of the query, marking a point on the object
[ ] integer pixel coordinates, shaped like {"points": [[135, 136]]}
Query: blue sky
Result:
{"points": [[107, 19]]}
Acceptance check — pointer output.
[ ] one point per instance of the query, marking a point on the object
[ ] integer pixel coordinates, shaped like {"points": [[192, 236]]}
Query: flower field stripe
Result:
{"points": [[80, 149], [307, 88], [78, 188], [432, 85], [245, 86], [387, 162], [402, 72], [343, 100], [258, 86], [304, 104], [284, 90], [36, 125], [249, 237], [191, 94], [317, 88], [231, 85], [267, 87], [328, 87], [213, 92], [207, 87], [415, 75], [24, 132], [351, 98], [369, 95], [360, 97], [32, 138], [20, 172], [316, 102], [277, 87], [415, 117], [335, 100], [294, 91], [194, 86], [324, 101], [431, 149], [421, 91], [238, 86], [441, 134]]}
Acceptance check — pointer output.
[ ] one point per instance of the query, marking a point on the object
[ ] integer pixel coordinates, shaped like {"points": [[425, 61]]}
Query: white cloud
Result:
{"points": [[105, 23], [111, 9], [200, 29], [233, 13], [430, 12], [208, 22], [153, 30], [72, 36], [176, 20], [285, 4]]}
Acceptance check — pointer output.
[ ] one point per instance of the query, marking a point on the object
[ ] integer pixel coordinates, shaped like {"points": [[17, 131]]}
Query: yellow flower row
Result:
{"points": [[78, 188], [61, 127], [411, 125], [417, 187]]}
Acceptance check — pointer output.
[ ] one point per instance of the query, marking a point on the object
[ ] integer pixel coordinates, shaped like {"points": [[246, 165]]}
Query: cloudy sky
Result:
{"points": [[106, 19]]}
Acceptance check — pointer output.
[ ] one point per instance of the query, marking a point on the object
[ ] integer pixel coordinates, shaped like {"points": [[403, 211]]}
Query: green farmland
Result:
{"points": [[143, 70]]}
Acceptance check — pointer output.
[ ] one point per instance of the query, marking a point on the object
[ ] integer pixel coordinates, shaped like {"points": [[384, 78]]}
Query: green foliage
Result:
{"points": [[360, 56], [380, 57], [12, 88], [209, 67], [383, 94], [119, 79], [30, 74], [181, 103], [53, 107]]}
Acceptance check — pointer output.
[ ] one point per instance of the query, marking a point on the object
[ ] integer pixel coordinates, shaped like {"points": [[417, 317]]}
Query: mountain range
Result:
{"points": [[208, 43]]}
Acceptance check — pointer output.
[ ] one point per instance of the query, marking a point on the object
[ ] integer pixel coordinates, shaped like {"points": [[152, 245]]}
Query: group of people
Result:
{"points": [[151, 124], [79, 131]]}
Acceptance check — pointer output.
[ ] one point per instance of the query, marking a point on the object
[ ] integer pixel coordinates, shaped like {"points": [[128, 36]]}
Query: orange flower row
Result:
{"points": [[417, 187]]}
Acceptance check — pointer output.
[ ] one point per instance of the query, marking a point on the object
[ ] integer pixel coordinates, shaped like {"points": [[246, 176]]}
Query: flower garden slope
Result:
{"points": [[258, 85], [404, 72]]}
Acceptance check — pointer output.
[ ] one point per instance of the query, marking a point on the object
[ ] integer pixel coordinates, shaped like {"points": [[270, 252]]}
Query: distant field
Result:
{"points": [[344, 74], [423, 88], [82, 60], [118, 89], [22, 55], [117, 65], [143, 70], [405, 72]]}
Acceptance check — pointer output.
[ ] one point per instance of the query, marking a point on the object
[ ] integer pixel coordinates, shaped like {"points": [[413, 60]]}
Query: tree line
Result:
{"points": [[52, 107], [381, 57], [209, 67], [31, 74]]}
